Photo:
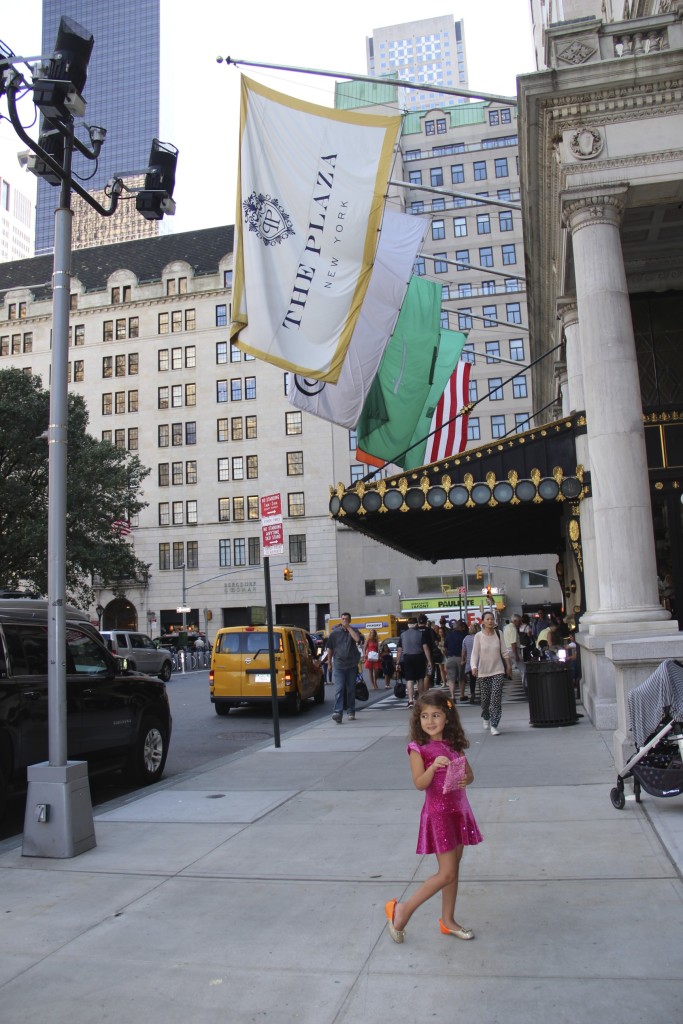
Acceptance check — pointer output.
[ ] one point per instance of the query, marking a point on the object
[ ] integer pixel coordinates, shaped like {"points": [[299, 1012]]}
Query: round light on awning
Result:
{"points": [[415, 498], [526, 491], [393, 500], [548, 489], [571, 487], [350, 503], [481, 494], [372, 501], [458, 495], [335, 505], [503, 492], [436, 496]]}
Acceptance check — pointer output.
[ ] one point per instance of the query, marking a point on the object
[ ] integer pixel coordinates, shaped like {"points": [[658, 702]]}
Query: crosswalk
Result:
{"points": [[513, 692]]}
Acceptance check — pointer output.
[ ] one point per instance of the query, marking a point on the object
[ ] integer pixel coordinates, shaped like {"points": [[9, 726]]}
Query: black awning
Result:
{"points": [[505, 498]]}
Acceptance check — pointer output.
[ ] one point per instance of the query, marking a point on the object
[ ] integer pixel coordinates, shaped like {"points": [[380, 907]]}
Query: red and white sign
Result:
{"points": [[272, 530]]}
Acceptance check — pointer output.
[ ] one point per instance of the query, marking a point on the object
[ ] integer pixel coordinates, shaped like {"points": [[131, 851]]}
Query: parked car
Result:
{"points": [[115, 720], [140, 652], [240, 668]]}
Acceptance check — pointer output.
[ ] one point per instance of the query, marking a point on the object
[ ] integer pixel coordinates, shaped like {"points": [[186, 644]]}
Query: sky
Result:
{"points": [[200, 98]]}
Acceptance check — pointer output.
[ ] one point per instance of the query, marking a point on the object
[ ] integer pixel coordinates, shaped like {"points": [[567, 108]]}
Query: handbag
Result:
{"points": [[373, 656], [400, 689], [362, 692]]}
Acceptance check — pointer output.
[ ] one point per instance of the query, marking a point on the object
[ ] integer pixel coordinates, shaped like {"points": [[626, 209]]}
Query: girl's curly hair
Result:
{"points": [[453, 732]]}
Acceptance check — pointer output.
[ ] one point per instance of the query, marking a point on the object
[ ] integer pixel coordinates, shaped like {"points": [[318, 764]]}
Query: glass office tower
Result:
{"points": [[122, 91]]}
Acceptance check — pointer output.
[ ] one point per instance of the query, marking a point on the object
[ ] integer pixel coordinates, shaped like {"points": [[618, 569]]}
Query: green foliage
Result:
{"points": [[103, 486]]}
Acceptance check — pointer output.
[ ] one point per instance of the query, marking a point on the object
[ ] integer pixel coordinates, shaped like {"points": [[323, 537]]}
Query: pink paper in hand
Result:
{"points": [[455, 773]]}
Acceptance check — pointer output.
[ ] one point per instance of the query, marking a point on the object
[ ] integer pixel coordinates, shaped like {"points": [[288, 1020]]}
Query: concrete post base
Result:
{"points": [[58, 821]]}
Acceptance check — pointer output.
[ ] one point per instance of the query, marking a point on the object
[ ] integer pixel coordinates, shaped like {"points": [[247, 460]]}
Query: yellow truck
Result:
{"points": [[387, 626]]}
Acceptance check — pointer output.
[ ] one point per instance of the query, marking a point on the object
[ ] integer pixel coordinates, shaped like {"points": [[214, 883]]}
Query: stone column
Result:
{"points": [[568, 312], [624, 542]]}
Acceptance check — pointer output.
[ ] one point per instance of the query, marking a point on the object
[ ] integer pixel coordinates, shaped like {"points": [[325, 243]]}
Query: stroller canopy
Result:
{"points": [[661, 693]]}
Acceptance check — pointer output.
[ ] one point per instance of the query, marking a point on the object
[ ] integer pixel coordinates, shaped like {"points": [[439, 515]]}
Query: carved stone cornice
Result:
{"points": [[604, 208], [612, 105], [567, 311]]}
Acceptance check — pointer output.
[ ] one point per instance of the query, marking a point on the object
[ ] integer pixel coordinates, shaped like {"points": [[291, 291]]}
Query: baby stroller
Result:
{"points": [[656, 712]]}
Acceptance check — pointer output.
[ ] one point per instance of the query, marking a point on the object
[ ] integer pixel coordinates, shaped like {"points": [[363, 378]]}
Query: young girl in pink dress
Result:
{"points": [[447, 825]]}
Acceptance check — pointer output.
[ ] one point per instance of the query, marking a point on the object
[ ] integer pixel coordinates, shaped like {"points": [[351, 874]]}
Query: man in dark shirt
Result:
{"points": [[454, 641], [342, 643], [415, 655]]}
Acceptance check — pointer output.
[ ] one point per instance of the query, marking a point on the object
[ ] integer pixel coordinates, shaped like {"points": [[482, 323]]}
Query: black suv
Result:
{"points": [[115, 720]]}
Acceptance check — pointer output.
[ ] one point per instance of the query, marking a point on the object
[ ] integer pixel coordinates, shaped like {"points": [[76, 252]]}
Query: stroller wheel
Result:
{"points": [[618, 799]]}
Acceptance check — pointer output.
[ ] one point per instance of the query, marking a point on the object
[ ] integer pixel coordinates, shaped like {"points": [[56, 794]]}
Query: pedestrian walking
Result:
{"points": [[343, 643], [371, 656], [386, 664], [490, 664], [447, 824]]}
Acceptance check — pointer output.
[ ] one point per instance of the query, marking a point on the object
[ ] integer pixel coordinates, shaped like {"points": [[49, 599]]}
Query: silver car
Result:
{"points": [[139, 652]]}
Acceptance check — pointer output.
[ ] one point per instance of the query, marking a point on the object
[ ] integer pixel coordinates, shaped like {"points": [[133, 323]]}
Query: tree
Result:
{"points": [[103, 492]]}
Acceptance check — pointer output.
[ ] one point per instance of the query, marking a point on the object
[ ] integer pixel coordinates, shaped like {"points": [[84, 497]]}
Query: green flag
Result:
{"points": [[405, 377], [450, 348]]}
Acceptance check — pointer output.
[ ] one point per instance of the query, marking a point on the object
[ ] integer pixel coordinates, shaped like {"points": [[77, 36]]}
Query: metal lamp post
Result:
{"points": [[58, 820]]}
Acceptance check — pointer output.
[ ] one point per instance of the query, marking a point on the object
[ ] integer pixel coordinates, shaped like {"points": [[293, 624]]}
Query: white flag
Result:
{"points": [[399, 242], [311, 190]]}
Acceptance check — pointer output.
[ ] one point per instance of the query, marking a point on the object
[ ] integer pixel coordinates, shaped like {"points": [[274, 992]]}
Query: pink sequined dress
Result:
{"points": [[447, 820]]}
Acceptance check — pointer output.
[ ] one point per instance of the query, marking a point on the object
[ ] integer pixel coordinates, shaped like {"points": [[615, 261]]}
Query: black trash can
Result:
{"points": [[551, 694]]}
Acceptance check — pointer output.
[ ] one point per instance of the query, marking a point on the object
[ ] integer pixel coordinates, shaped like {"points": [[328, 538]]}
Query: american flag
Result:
{"points": [[121, 527], [449, 427]]}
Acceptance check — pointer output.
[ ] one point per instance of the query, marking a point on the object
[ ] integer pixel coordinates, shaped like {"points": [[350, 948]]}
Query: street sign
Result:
{"points": [[272, 530], [183, 610]]}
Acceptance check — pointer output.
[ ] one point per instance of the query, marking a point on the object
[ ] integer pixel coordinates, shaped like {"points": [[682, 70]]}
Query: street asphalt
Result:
{"points": [[253, 890]]}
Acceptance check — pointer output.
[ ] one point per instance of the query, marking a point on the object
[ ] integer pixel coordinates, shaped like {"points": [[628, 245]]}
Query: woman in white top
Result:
{"points": [[489, 664]]}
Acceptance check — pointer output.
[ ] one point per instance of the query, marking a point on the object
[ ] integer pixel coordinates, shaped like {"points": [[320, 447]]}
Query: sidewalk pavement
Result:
{"points": [[254, 890]]}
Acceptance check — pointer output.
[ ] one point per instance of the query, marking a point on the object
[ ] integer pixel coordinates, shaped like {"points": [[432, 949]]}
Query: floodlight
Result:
{"points": [[58, 92], [156, 198], [51, 141]]}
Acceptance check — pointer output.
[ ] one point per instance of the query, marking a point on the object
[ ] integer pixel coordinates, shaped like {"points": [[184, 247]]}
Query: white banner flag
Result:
{"points": [[399, 242], [311, 190]]}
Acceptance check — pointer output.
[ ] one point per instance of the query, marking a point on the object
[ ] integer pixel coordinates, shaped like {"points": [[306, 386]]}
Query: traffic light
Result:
{"points": [[287, 574], [479, 572]]}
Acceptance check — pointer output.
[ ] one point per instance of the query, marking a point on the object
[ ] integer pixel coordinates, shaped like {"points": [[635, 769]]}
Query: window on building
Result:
{"points": [[191, 432], [107, 366], [467, 355], [190, 394], [436, 176], [221, 352], [133, 363], [473, 429], [415, 177], [457, 174], [236, 428], [178, 513], [297, 547], [296, 505], [224, 553], [295, 463], [190, 357], [107, 404], [464, 290], [224, 510], [438, 204], [163, 435], [430, 128], [253, 511], [438, 229], [251, 425], [176, 321], [223, 469], [293, 423], [252, 467], [514, 312], [176, 396], [191, 472], [227, 278], [238, 467], [176, 359], [222, 429], [505, 116], [473, 394], [517, 349], [357, 472], [254, 550], [163, 323], [509, 254], [191, 512], [190, 319], [176, 474], [236, 389], [490, 311], [440, 264], [496, 389], [120, 402], [501, 163], [513, 285], [192, 554], [249, 388], [465, 319], [164, 513], [419, 268], [221, 315], [79, 335], [522, 422], [505, 220], [235, 353], [133, 439], [494, 117], [163, 363], [492, 351], [164, 556], [460, 226], [483, 224], [176, 434], [498, 426], [221, 390], [79, 375], [462, 256], [533, 578], [519, 388], [239, 551], [479, 170], [417, 206]]}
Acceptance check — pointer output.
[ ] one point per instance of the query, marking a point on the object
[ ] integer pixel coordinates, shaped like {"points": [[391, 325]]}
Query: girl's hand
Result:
{"points": [[441, 761]]}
